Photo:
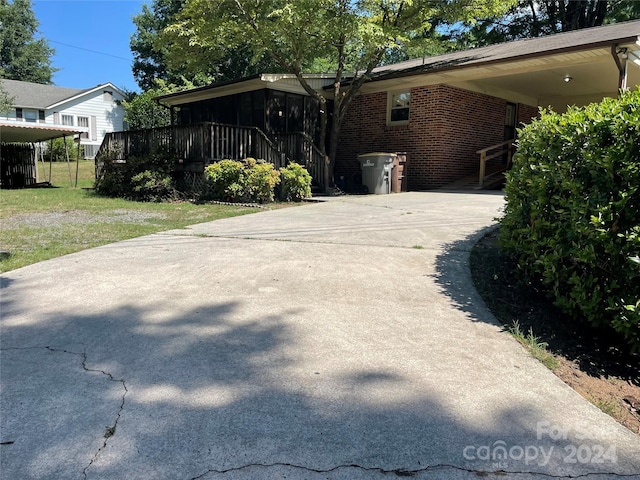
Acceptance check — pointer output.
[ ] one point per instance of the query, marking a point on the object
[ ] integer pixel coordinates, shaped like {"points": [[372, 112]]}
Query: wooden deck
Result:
{"points": [[197, 146]]}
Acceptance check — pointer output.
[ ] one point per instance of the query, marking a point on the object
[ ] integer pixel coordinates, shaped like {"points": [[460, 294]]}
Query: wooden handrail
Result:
{"points": [[503, 148], [497, 145]]}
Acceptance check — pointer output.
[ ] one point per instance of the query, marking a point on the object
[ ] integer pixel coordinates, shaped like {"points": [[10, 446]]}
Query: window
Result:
{"points": [[84, 122], [41, 115], [30, 116], [67, 120], [19, 113], [399, 108]]}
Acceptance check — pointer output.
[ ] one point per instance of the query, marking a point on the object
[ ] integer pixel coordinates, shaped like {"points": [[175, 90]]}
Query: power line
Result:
{"points": [[92, 51]]}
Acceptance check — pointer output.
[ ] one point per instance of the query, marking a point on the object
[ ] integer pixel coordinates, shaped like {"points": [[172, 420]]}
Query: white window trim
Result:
{"points": [[390, 95]]}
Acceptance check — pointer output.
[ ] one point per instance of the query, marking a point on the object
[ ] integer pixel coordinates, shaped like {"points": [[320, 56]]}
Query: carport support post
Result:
{"points": [[50, 159], [77, 161], [66, 151]]}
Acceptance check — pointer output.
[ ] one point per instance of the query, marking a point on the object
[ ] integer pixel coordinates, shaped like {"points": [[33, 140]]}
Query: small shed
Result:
{"points": [[18, 151]]}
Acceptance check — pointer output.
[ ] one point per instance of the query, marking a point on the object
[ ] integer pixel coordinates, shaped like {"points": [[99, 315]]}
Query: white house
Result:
{"points": [[93, 112]]}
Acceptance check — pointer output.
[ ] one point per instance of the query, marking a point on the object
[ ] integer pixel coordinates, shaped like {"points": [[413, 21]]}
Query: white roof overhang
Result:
{"points": [[538, 81], [277, 81]]}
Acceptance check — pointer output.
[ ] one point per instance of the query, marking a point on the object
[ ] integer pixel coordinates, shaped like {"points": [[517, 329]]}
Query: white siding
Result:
{"points": [[103, 111]]}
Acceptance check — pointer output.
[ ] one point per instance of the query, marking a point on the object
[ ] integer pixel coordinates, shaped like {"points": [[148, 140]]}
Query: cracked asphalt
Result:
{"points": [[336, 340]]}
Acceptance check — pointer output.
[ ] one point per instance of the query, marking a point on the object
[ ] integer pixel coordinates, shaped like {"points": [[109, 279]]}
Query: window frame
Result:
{"points": [[391, 107], [84, 135], [30, 116]]}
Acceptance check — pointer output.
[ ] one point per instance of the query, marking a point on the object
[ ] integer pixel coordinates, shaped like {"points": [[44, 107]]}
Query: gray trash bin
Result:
{"points": [[376, 171]]}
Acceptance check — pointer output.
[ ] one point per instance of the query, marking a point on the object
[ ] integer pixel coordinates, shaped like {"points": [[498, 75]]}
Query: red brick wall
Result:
{"points": [[526, 113], [447, 125]]}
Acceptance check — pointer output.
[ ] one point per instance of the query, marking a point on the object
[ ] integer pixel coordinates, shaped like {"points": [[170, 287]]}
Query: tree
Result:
{"points": [[142, 111], [6, 101], [351, 36], [533, 18], [23, 56], [150, 54]]}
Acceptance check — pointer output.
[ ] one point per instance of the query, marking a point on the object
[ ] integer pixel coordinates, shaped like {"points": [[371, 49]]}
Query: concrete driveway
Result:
{"points": [[338, 340]]}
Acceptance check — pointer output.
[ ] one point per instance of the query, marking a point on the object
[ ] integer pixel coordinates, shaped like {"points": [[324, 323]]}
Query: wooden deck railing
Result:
{"points": [[499, 150], [300, 148], [205, 143]]}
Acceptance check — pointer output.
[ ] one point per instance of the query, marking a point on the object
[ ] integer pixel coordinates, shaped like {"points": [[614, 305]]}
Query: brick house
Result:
{"points": [[440, 110]]}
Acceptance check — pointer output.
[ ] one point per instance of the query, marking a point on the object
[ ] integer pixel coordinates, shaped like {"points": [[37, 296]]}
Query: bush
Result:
{"points": [[248, 181], [149, 178], [572, 217], [296, 183], [57, 152], [152, 186], [226, 180], [261, 179]]}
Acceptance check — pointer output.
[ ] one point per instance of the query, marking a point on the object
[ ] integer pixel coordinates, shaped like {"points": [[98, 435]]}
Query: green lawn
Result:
{"points": [[37, 224]]}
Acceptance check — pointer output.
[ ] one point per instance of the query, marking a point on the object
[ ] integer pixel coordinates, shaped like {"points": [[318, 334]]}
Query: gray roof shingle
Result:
{"points": [[36, 95], [561, 42]]}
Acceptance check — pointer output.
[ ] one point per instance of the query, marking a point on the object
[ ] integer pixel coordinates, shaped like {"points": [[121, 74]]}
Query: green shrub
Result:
{"points": [[248, 181], [572, 217], [152, 186], [148, 178], [227, 181], [261, 177], [57, 152], [296, 182]]}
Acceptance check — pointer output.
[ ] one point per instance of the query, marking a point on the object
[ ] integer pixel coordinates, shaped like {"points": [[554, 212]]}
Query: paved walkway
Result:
{"points": [[339, 340]]}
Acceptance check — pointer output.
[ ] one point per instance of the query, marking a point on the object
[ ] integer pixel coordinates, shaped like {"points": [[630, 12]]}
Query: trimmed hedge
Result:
{"points": [[572, 217]]}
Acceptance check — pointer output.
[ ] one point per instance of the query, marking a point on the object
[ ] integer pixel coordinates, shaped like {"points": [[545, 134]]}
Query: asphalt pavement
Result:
{"points": [[333, 340]]}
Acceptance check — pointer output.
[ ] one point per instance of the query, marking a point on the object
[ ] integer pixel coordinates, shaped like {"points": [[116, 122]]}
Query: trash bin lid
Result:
{"points": [[377, 154]]}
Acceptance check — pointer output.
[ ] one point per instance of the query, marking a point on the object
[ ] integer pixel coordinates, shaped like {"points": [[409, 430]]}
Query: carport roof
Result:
{"points": [[12, 132], [588, 38]]}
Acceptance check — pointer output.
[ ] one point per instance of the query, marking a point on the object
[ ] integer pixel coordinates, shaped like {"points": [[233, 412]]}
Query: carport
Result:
{"points": [[19, 151]]}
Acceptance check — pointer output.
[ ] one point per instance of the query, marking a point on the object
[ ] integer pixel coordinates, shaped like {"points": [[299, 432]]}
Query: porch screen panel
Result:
{"points": [[295, 113], [259, 100], [226, 110], [245, 109], [276, 106]]}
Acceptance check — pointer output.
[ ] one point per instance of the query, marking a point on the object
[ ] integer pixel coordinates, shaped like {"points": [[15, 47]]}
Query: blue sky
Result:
{"points": [[91, 39]]}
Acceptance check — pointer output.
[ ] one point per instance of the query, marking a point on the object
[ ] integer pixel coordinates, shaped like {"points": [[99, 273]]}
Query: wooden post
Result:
{"points": [[483, 162], [77, 161]]}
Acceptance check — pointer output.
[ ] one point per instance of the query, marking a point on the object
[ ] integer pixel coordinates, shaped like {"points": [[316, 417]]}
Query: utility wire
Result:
{"points": [[92, 51]]}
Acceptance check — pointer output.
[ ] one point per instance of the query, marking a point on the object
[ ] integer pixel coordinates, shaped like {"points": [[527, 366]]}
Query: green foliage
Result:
{"points": [[296, 183], [142, 111], [6, 101], [151, 53], [149, 178], [261, 178], [529, 19], [573, 211], [23, 56], [152, 186], [59, 148], [247, 181], [227, 181]]}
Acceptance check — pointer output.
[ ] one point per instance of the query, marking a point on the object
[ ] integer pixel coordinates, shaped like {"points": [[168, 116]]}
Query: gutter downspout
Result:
{"points": [[621, 69]]}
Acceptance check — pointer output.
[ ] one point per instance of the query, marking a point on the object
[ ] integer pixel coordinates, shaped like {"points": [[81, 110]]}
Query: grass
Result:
{"points": [[536, 348], [43, 223]]}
